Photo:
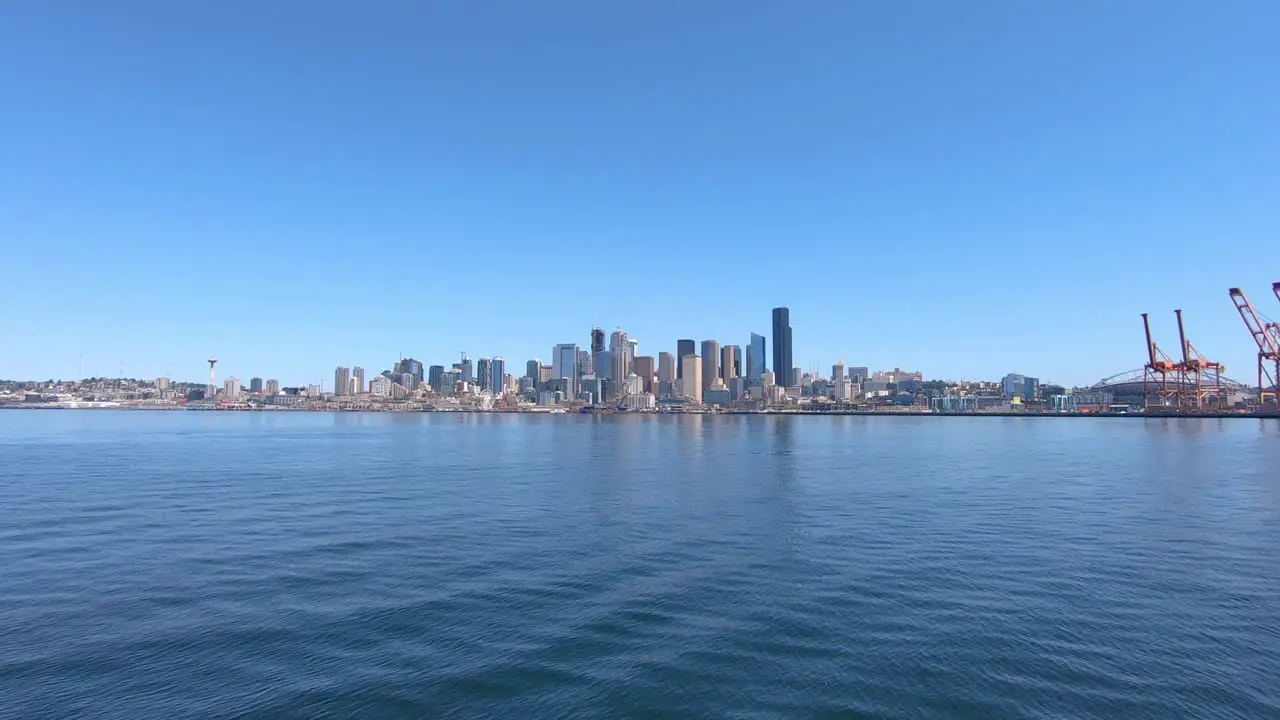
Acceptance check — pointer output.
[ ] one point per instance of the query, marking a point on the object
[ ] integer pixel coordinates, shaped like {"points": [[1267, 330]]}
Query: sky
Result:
{"points": [[966, 189]]}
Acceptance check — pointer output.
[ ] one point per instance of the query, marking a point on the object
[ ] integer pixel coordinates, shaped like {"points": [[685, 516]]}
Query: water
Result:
{"points": [[170, 565]]}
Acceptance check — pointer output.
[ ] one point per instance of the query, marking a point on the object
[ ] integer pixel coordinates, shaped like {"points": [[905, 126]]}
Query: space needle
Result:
{"points": [[213, 389]]}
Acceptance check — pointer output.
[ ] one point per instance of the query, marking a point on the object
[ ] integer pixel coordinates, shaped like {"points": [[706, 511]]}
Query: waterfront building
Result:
{"points": [[231, 389], [484, 373], [737, 388], [783, 369], [716, 396], [755, 357], [1020, 386], [358, 375], [435, 377], [729, 355], [564, 364], [313, 391], [593, 388], [380, 386], [255, 385], [645, 370], [691, 378], [273, 386], [341, 380], [683, 348], [710, 363], [498, 371]]}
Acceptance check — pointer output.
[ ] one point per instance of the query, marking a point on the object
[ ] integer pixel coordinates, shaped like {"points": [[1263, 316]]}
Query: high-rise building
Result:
{"points": [[435, 377], [162, 383], [755, 357], [273, 386], [666, 373], [683, 348], [837, 373], [484, 374], [645, 371], [633, 349], [409, 366], [531, 369], [231, 389], [859, 374], [358, 374], [691, 382], [464, 367], [585, 367], [380, 386], [603, 363], [564, 364], [409, 381], [255, 385], [620, 355], [498, 371], [710, 362], [544, 374], [783, 370], [341, 380], [597, 340], [729, 362]]}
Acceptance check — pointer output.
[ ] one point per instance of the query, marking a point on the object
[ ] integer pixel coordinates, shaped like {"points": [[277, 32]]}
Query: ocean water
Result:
{"points": [[198, 565]]}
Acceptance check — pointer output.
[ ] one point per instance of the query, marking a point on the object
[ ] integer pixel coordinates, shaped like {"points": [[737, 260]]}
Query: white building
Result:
{"points": [[380, 386]]}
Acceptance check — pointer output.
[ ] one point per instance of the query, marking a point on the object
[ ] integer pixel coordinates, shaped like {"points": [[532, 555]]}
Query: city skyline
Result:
{"points": [[969, 191]]}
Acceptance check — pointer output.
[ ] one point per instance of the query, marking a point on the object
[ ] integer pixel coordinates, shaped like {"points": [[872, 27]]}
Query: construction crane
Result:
{"points": [[1267, 338], [1155, 374], [1192, 373]]}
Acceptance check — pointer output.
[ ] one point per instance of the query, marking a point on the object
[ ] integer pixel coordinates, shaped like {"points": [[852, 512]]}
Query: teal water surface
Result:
{"points": [[175, 565]]}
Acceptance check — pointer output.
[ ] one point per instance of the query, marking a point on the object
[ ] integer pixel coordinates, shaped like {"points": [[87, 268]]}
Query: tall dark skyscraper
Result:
{"points": [[597, 341], [684, 347], [783, 371]]}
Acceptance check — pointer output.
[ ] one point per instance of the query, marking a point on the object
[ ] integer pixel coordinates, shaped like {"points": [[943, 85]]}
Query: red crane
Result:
{"points": [[1267, 338], [1155, 374], [1193, 371]]}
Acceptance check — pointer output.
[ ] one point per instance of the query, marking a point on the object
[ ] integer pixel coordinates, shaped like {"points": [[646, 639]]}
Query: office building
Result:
{"points": [[544, 374], [585, 367], [231, 389], [466, 373], [783, 369], [162, 383], [710, 363], [603, 364], [273, 386], [1020, 386], [633, 349], [498, 371], [737, 388], [691, 378], [666, 374], [599, 365], [645, 371], [409, 366], [683, 348], [435, 377], [409, 381], [341, 381], [737, 362], [729, 355], [255, 385], [620, 355], [858, 374], [755, 357], [564, 365], [531, 370], [484, 374], [380, 386], [357, 374]]}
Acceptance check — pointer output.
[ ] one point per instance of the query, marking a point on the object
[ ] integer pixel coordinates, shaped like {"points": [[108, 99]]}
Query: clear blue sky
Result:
{"points": [[967, 189]]}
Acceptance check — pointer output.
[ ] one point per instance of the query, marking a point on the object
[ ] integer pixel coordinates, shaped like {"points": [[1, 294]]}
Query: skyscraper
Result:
{"points": [[783, 370], [603, 364], [683, 348], [341, 380], [737, 361], [497, 368], [729, 362], [409, 366], [531, 369], [435, 377], [585, 367], [484, 374], [666, 373], [620, 355], [691, 383], [564, 364], [358, 374], [255, 385], [645, 371], [465, 368], [633, 349], [710, 362], [755, 357], [273, 386]]}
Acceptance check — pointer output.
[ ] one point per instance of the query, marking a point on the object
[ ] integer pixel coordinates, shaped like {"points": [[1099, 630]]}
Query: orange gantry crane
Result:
{"points": [[1267, 338], [1199, 379], [1157, 373]]}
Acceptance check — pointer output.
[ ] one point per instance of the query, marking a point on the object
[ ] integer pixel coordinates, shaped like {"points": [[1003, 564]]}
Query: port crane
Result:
{"points": [[1193, 372], [1156, 373], [1267, 337]]}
